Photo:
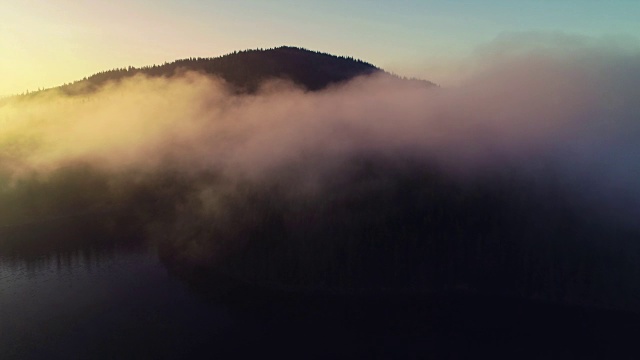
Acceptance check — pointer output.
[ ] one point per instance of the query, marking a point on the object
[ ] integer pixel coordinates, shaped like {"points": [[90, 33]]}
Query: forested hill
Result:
{"points": [[246, 70]]}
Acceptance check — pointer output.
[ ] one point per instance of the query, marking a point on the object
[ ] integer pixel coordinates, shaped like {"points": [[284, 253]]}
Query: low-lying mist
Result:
{"points": [[522, 179]]}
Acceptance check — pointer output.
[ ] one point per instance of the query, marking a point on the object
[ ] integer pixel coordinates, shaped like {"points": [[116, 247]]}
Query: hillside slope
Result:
{"points": [[246, 70]]}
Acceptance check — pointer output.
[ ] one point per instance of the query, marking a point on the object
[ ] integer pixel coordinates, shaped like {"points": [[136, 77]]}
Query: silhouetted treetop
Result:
{"points": [[246, 70]]}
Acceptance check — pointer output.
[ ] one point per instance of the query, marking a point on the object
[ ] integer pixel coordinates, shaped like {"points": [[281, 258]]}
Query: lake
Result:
{"points": [[101, 305], [125, 303]]}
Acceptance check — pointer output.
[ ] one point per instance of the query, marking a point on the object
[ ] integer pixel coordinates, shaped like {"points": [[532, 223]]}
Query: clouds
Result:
{"points": [[516, 179], [529, 102]]}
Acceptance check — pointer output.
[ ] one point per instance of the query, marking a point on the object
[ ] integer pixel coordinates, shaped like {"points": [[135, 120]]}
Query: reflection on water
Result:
{"points": [[124, 303], [93, 304]]}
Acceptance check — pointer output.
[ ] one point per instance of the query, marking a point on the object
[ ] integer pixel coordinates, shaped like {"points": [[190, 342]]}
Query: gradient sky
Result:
{"points": [[45, 43]]}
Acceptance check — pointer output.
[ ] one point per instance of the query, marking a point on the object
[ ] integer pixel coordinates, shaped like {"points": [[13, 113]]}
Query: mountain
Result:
{"points": [[374, 221], [246, 70]]}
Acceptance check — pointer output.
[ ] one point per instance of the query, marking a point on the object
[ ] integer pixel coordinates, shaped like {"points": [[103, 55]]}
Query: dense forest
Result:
{"points": [[379, 226], [246, 70], [374, 223]]}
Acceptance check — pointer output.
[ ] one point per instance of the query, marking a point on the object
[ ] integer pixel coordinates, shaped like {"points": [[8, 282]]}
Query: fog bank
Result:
{"points": [[518, 178]]}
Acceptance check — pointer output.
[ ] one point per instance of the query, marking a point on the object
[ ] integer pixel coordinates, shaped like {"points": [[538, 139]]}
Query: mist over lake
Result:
{"points": [[195, 207]]}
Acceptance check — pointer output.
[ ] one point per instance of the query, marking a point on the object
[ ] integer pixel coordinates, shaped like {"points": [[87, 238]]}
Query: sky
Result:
{"points": [[46, 43]]}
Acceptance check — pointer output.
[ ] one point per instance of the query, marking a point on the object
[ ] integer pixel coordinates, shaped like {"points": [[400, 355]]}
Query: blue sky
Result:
{"points": [[48, 42]]}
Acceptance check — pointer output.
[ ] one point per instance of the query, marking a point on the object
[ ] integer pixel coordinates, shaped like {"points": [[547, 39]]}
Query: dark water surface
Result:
{"points": [[124, 303], [94, 305]]}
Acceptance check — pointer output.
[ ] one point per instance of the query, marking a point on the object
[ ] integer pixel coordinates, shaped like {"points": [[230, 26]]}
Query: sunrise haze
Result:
{"points": [[48, 43]]}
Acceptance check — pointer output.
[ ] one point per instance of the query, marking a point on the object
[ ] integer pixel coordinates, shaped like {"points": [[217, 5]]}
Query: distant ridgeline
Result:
{"points": [[372, 224], [246, 70]]}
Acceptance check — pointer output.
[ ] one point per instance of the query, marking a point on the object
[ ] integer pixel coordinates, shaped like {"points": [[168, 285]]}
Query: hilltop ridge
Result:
{"points": [[245, 70]]}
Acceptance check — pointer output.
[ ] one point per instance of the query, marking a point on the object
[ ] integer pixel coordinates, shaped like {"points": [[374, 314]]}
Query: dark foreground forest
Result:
{"points": [[385, 229]]}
